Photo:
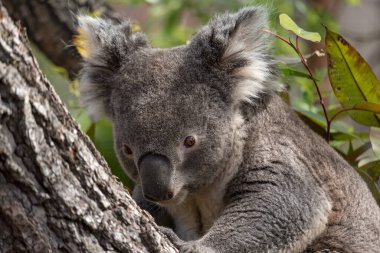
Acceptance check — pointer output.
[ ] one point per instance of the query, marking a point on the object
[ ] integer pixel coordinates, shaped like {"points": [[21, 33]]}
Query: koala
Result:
{"points": [[218, 159]]}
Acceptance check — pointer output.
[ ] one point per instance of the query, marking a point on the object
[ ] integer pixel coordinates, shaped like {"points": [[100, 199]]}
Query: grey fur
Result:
{"points": [[257, 179]]}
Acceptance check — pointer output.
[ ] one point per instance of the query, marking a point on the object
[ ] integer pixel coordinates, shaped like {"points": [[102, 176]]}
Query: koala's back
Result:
{"points": [[279, 145]]}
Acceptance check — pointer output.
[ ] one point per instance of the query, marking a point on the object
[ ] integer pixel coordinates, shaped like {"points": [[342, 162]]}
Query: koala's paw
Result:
{"points": [[185, 247], [172, 236], [195, 247]]}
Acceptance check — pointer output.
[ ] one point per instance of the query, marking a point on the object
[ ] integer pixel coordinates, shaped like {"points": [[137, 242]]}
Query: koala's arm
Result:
{"points": [[160, 215], [267, 210]]}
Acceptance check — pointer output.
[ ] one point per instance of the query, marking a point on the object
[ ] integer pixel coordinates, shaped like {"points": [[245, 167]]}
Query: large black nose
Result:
{"points": [[155, 174]]}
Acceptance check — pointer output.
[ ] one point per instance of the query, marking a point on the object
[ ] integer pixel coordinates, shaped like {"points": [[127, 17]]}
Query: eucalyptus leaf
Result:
{"points": [[353, 155], [91, 132], [293, 72], [352, 79], [287, 23], [368, 106], [338, 126]]}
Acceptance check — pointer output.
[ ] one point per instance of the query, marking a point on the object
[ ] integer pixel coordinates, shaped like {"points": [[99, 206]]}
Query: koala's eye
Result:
{"points": [[127, 150], [189, 141]]}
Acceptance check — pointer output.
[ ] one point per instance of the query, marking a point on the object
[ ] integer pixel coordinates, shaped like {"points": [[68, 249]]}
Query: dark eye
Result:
{"points": [[189, 141], [127, 150]]}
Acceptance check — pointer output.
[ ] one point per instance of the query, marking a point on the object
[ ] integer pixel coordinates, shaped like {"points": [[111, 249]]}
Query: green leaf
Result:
{"points": [[350, 148], [339, 136], [353, 155], [352, 79], [292, 72], [91, 132], [372, 169], [340, 131], [287, 23], [336, 126], [368, 106]]}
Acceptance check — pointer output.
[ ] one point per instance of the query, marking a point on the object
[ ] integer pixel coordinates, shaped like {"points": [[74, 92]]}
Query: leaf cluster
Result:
{"points": [[357, 90]]}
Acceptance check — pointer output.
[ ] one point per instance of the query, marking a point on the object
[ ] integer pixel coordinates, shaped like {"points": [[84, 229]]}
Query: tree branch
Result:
{"points": [[51, 26], [57, 193]]}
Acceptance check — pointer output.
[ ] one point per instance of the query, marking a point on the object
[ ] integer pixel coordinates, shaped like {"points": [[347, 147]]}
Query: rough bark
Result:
{"points": [[57, 193], [51, 25]]}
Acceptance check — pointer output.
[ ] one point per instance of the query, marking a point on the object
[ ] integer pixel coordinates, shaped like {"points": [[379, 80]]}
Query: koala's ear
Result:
{"points": [[103, 46], [237, 43]]}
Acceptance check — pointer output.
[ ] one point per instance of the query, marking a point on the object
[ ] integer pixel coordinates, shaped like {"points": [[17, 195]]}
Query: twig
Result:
{"points": [[304, 62]]}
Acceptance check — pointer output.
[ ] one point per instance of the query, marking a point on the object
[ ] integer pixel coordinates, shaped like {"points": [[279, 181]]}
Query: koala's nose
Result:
{"points": [[155, 174]]}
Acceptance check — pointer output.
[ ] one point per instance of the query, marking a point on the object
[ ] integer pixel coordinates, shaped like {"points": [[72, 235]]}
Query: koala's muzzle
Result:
{"points": [[155, 174]]}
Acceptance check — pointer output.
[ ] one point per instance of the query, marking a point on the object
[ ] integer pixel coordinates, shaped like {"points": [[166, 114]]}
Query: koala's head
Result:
{"points": [[176, 111]]}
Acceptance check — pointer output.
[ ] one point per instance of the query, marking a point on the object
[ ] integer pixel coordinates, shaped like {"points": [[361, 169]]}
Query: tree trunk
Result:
{"points": [[51, 25], [57, 193]]}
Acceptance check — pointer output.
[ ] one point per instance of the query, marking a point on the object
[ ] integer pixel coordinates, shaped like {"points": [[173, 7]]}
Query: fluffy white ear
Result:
{"points": [[103, 46], [90, 36], [238, 44]]}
